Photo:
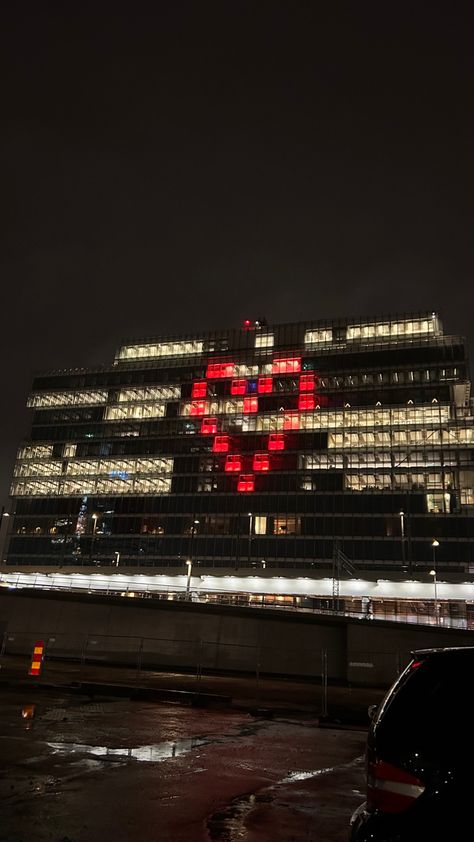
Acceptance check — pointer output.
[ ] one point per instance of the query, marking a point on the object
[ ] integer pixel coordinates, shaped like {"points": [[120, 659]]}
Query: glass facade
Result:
{"points": [[263, 445]]}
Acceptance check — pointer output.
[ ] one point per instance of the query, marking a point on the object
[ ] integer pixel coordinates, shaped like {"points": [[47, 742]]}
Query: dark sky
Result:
{"points": [[190, 164]]}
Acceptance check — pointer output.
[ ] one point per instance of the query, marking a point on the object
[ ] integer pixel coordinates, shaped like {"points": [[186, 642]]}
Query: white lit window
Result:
{"points": [[264, 340], [318, 337], [152, 393], [35, 451], [260, 522], [161, 349], [46, 400], [131, 410]]}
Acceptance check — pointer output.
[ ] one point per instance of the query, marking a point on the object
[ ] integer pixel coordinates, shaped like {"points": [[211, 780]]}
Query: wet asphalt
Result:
{"points": [[79, 770]]}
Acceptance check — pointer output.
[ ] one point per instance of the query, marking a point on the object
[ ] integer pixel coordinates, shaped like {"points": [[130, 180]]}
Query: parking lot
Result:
{"points": [[81, 770]]}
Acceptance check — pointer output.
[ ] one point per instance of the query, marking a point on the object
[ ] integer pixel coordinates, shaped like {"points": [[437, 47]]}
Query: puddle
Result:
{"points": [[229, 823], [143, 754]]}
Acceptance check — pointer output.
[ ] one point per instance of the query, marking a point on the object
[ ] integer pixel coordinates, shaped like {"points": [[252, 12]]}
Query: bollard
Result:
{"points": [[37, 659]]}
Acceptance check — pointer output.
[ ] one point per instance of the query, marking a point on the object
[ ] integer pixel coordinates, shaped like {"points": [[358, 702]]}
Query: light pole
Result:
{"points": [[402, 533], [3, 538], [95, 518], [193, 530], [117, 559], [434, 545], [189, 565], [250, 535]]}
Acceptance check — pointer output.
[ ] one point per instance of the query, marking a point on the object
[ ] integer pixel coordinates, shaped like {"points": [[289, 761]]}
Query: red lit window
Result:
{"points": [[246, 482], [209, 426], [238, 387], [233, 463], [306, 401], [198, 408], [250, 405], [221, 444], [261, 462], [276, 441], [220, 370], [265, 385], [291, 421], [199, 389], [307, 382], [292, 366]]}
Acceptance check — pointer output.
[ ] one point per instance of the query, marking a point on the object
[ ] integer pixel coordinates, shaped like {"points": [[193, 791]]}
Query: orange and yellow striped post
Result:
{"points": [[37, 658]]}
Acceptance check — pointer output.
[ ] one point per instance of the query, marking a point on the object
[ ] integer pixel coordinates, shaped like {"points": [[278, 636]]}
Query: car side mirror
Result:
{"points": [[372, 710]]}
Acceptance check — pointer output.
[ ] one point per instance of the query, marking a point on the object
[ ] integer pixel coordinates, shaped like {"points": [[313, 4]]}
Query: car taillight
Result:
{"points": [[390, 789]]}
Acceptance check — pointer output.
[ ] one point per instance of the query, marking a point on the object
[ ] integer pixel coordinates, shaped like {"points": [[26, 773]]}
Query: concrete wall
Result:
{"points": [[188, 635]]}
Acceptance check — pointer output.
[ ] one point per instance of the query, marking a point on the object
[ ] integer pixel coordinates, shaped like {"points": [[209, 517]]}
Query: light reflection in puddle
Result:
{"points": [[315, 773], [144, 754]]}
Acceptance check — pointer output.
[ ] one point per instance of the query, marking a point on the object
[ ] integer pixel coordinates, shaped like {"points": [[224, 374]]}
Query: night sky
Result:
{"points": [[191, 164]]}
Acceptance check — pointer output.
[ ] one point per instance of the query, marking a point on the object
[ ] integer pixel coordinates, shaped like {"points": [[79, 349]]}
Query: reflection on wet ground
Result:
{"points": [[145, 754], [88, 771]]}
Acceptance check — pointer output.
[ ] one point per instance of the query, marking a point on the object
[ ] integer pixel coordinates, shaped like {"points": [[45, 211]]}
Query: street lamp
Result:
{"points": [[189, 565], [117, 560], [193, 530], [3, 541], [402, 533], [434, 545], [189, 562], [95, 518], [250, 534]]}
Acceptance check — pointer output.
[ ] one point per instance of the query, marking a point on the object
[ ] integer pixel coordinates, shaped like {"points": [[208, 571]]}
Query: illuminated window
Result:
{"points": [[288, 366], [149, 393], [286, 526], [307, 382], [35, 451], [215, 370], [209, 426], [246, 482], [198, 408], [291, 421], [230, 406], [238, 387], [199, 389], [276, 441], [233, 463], [45, 400], [306, 401], [264, 340], [250, 405], [132, 410], [261, 462], [161, 349], [260, 524], [265, 385], [221, 444], [318, 337]]}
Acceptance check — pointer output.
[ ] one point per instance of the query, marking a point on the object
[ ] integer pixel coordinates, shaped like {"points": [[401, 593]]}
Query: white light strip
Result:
{"points": [[302, 586]]}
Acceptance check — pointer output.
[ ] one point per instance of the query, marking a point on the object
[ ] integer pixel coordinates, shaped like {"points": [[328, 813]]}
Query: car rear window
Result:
{"points": [[430, 711]]}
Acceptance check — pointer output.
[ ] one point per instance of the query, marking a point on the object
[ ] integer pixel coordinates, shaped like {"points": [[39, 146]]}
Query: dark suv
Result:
{"points": [[420, 780]]}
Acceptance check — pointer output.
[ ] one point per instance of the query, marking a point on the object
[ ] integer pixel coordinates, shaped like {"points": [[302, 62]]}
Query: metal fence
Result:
{"points": [[259, 674]]}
